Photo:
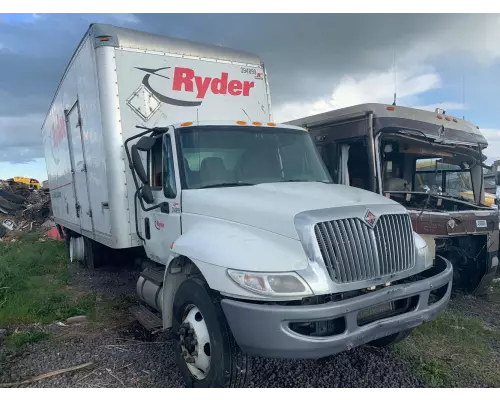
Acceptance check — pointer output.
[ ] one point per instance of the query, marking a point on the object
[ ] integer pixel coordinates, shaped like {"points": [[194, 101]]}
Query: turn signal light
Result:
{"points": [[241, 122], [186, 124], [257, 123], [271, 124]]}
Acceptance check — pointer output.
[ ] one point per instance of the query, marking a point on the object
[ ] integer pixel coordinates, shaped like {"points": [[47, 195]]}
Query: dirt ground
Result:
{"points": [[123, 354]]}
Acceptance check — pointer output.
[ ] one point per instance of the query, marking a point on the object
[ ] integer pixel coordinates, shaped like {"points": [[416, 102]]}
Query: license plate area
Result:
{"points": [[386, 310], [375, 313]]}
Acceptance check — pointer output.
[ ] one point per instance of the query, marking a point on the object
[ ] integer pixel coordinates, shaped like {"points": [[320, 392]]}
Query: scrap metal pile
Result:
{"points": [[23, 209]]}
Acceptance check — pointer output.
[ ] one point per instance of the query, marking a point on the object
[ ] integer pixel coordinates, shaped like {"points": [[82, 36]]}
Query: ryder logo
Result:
{"points": [[186, 80], [58, 131], [159, 225], [57, 134]]}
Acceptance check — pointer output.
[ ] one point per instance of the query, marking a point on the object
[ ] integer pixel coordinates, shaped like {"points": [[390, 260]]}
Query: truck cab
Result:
{"points": [[429, 162]]}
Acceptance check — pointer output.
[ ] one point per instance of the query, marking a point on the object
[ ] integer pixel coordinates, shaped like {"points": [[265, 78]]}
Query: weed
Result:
{"points": [[33, 282], [21, 339], [454, 351]]}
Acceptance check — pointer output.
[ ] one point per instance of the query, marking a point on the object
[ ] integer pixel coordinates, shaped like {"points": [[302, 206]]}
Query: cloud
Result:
{"points": [[370, 88], [34, 52], [20, 138], [125, 18], [314, 61], [493, 149]]}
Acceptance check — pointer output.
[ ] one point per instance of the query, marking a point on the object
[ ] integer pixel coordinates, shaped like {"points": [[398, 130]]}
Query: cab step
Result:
{"points": [[146, 317]]}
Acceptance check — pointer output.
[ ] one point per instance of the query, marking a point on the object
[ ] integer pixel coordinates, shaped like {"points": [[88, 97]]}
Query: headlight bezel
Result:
{"points": [[241, 277]]}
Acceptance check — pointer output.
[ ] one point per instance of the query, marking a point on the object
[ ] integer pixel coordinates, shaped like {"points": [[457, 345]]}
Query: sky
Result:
{"points": [[315, 63]]}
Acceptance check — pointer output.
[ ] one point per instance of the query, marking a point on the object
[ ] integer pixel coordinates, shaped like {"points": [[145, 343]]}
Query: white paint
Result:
{"points": [[273, 206]]}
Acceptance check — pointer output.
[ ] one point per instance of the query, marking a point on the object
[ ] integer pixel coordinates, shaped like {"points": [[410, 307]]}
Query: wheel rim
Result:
{"points": [[195, 342]]}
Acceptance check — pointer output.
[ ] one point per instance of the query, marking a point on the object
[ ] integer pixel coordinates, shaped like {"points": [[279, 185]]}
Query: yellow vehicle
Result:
{"points": [[456, 178], [32, 183]]}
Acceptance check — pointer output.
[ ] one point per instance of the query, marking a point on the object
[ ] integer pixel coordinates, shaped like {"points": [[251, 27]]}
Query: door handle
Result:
{"points": [[147, 228]]}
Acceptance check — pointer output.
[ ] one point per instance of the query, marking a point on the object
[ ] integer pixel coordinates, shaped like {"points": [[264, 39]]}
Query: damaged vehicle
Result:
{"points": [[429, 162]]}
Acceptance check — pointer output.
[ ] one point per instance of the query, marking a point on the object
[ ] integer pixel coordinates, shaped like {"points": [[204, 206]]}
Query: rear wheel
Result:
{"points": [[391, 339], [206, 351], [86, 251]]}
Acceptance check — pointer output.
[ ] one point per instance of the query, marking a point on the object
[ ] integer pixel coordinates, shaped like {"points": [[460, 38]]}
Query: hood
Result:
{"points": [[273, 206]]}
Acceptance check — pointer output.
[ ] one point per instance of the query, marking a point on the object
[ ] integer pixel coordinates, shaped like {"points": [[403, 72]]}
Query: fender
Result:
{"points": [[231, 245], [215, 245]]}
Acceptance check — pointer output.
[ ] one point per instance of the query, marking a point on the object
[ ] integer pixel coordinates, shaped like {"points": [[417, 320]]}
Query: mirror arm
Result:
{"points": [[141, 202]]}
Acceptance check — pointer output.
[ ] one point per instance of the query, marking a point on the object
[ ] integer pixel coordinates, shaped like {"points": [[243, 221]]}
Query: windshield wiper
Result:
{"points": [[226, 184]]}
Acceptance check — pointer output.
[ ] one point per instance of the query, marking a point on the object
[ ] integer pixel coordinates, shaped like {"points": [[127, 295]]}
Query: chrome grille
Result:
{"points": [[352, 251]]}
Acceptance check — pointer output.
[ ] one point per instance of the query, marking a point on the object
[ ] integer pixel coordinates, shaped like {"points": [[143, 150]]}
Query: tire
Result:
{"points": [[94, 254], [228, 366], [391, 339], [67, 239], [9, 206], [14, 198]]}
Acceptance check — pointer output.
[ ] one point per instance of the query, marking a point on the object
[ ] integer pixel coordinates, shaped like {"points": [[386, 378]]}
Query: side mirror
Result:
{"points": [[145, 143], [147, 194], [138, 166]]}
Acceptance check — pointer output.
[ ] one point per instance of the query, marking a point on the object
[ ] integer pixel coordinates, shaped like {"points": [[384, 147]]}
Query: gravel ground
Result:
{"points": [[125, 355]]}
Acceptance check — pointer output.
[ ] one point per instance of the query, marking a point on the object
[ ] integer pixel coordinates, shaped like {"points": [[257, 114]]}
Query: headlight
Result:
{"points": [[272, 284], [424, 251]]}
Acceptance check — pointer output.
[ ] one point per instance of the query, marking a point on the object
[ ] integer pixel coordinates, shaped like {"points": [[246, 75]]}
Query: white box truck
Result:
{"points": [[247, 247]]}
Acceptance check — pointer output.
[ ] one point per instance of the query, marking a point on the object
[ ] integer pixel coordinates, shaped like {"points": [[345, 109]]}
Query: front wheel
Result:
{"points": [[206, 351], [391, 339]]}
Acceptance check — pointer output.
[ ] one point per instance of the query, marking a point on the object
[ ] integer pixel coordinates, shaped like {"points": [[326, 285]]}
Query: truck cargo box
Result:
{"points": [[118, 79]]}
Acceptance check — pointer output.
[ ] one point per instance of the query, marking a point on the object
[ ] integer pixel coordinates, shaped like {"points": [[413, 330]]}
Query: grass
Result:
{"points": [[34, 283], [456, 350], [21, 339]]}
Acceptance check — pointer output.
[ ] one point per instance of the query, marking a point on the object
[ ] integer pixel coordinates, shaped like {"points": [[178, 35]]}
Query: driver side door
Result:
{"points": [[162, 226]]}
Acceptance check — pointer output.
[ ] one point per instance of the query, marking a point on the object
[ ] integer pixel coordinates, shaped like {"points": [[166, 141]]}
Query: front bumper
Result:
{"points": [[264, 330]]}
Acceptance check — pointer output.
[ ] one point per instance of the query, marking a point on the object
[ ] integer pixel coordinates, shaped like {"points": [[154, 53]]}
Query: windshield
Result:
{"points": [[231, 156], [450, 179]]}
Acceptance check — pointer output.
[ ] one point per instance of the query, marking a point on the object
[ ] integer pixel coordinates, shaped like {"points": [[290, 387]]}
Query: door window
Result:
{"points": [[155, 176], [169, 186]]}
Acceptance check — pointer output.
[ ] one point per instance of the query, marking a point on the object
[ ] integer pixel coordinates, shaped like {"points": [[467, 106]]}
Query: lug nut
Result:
{"points": [[190, 360], [191, 331]]}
